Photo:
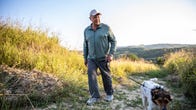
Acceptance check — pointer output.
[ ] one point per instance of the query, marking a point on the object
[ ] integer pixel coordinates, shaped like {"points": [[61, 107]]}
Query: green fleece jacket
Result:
{"points": [[99, 43]]}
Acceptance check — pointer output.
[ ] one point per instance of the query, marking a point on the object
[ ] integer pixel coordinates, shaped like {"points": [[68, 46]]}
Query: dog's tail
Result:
{"points": [[154, 79]]}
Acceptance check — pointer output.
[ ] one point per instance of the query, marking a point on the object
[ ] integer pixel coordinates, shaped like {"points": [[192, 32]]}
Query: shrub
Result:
{"points": [[184, 64], [160, 60]]}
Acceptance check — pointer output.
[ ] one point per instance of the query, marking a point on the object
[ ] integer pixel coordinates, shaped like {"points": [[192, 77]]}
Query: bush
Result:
{"points": [[189, 80], [160, 60], [184, 64]]}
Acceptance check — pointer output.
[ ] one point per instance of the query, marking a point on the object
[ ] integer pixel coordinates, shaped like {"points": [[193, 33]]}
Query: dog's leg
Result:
{"points": [[144, 101], [150, 104]]}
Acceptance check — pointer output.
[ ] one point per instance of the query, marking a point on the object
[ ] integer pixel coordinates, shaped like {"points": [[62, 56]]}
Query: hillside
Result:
{"points": [[161, 46], [33, 64], [154, 51]]}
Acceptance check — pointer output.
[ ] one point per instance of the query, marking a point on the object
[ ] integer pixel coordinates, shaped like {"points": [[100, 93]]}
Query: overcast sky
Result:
{"points": [[134, 22]]}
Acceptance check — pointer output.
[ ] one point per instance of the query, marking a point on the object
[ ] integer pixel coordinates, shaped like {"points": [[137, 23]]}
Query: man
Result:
{"points": [[99, 47]]}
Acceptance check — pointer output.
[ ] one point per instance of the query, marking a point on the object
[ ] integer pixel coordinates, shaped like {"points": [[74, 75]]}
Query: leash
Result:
{"points": [[136, 81], [139, 83]]}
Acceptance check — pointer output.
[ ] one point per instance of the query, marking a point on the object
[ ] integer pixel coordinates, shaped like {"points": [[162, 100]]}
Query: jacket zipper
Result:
{"points": [[94, 45]]}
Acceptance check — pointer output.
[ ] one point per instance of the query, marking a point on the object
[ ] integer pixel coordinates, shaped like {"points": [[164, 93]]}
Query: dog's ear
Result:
{"points": [[155, 94], [168, 96]]}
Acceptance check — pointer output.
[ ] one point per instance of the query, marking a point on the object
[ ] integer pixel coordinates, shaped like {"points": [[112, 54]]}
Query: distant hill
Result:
{"points": [[161, 46], [153, 51]]}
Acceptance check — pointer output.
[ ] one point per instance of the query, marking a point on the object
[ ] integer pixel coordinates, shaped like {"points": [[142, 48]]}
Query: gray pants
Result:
{"points": [[103, 66]]}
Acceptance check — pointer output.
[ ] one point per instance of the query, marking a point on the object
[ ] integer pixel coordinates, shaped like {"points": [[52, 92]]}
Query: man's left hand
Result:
{"points": [[109, 58]]}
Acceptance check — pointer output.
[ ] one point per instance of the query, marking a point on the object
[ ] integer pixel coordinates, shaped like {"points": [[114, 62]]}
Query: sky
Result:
{"points": [[133, 22]]}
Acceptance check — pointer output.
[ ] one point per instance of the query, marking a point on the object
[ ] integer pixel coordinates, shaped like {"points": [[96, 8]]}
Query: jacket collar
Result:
{"points": [[90, 27]]}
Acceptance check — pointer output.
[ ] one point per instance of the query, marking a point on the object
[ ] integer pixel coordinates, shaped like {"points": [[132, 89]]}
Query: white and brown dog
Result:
{"points": [[154, 96]]}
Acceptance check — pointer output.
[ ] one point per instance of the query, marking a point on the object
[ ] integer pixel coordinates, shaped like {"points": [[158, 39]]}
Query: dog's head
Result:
{"points": [[161, 97]]}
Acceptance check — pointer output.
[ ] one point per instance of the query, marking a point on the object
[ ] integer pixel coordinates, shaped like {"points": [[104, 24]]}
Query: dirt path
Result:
{"points": [[125, 98]]}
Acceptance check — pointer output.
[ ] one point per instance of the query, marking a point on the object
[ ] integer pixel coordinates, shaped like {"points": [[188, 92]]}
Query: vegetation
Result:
{"points": [[34, 49], [183, 64], [131, 57], [152, 52]]}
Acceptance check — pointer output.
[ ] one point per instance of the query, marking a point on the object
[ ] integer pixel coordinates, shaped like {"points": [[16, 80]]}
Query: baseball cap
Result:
{"points": [[94, 12]]}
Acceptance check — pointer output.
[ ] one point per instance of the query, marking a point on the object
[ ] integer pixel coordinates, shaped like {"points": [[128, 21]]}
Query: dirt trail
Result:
{"points": [[125, 98]]}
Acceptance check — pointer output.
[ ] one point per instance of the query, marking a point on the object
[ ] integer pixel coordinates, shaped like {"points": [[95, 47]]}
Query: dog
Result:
{"points": [[154, 96]]}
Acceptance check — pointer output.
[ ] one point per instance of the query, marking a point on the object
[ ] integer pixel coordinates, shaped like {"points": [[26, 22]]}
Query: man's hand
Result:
{"points": [[109, 58]]}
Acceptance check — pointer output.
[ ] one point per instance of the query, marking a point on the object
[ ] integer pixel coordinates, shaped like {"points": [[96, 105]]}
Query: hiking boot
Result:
{"points": [[91, 101], [109, 98]]}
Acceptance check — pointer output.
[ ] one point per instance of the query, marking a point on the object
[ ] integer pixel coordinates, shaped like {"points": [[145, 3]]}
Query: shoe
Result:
{"points": [[109, 98], [91, 101]]}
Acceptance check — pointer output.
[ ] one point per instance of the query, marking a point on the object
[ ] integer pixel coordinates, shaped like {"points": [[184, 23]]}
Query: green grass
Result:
{"points": [[134, 103], [157, 73]]}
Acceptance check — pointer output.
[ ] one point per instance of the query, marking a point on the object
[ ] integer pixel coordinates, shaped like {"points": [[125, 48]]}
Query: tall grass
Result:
{"points": [[183, 64], [35, 49], [121, 67]]}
